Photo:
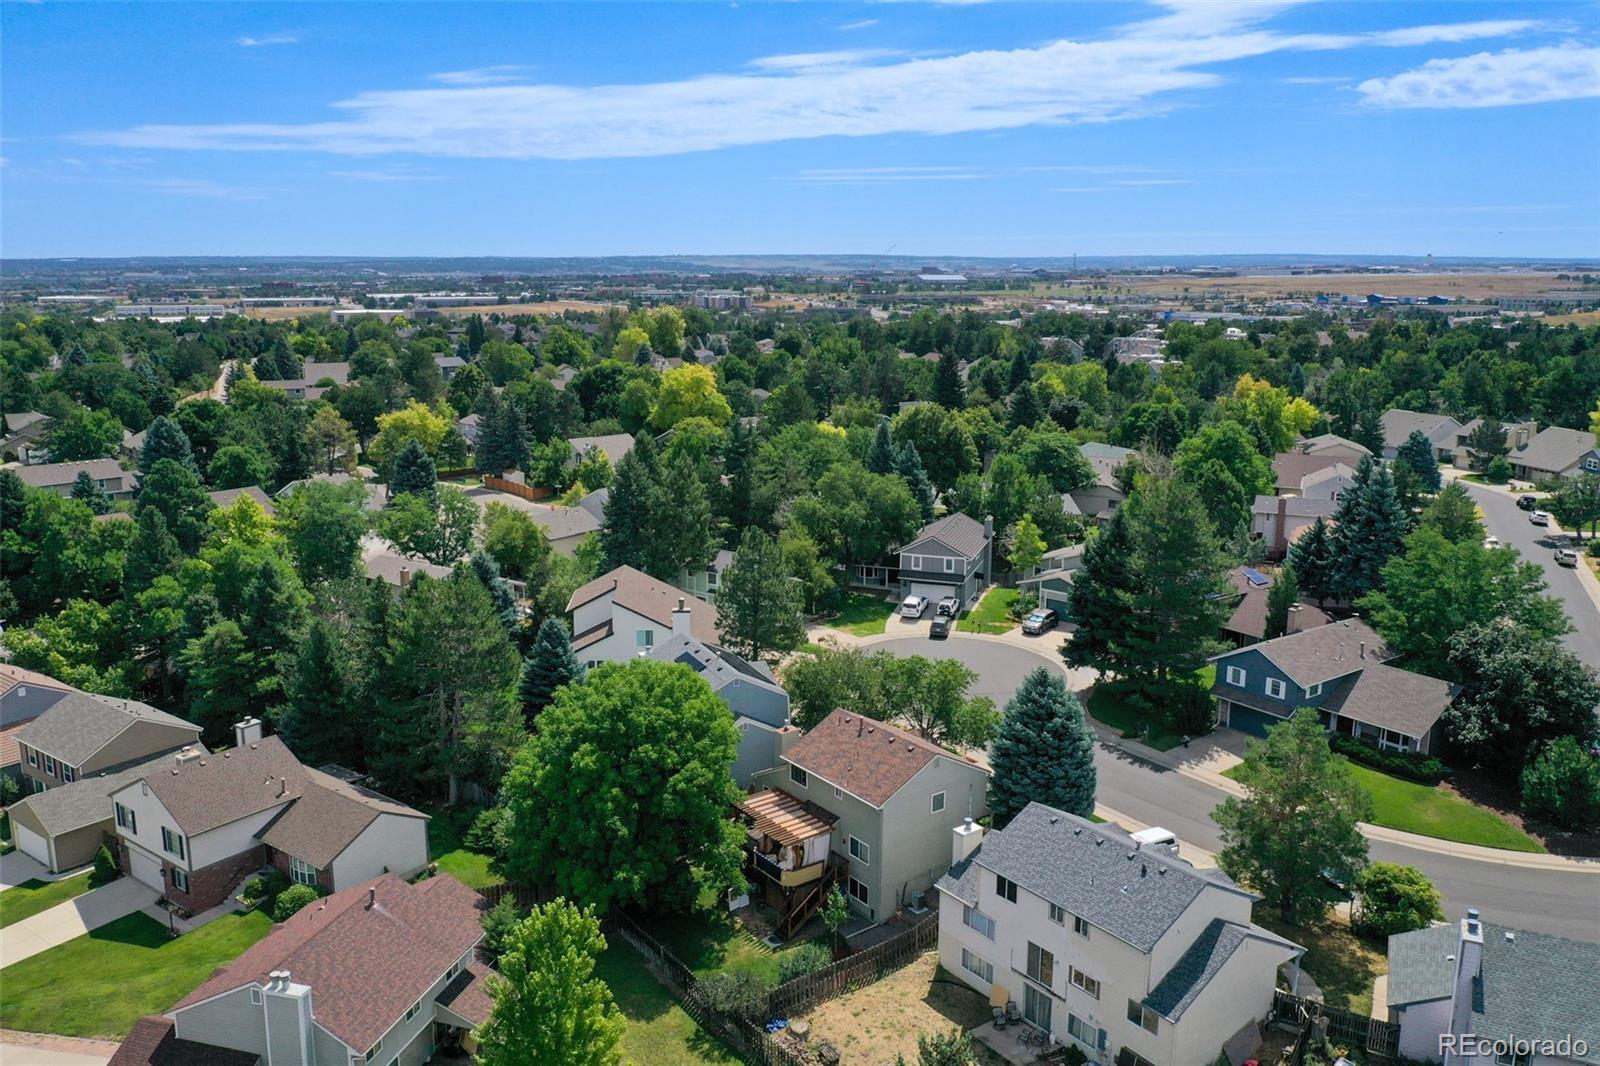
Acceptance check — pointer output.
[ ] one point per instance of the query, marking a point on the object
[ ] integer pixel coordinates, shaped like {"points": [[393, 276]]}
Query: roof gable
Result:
{"points": [[80, 724], [959, 533], [867, 758]]}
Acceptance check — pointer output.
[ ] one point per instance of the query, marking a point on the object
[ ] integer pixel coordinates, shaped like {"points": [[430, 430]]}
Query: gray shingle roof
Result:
{"points": [[1554, 448], [79, 724], [1203, 960], [1420, 965], [1392, 698], [1398, 424], [717, 665], [46, 475], [1323, 653], [959, 532], [87, 800], [1094, 871], [612, 445]]}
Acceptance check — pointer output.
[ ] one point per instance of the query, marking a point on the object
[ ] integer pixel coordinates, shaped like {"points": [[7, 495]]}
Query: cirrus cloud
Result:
{"points": [[1491, 79]]}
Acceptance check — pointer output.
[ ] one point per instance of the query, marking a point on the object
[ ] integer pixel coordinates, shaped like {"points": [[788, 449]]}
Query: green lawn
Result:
{"points": [[1106, 704], [990, 615], [1343, 964], [1433, 812], [709, 941], [658, 1031], [862, 615], [99, 984], [31, 897], [445, 829]]}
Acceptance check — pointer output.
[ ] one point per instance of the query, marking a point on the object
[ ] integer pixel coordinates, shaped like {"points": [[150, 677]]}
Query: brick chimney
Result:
{"points": [[405, 576]]}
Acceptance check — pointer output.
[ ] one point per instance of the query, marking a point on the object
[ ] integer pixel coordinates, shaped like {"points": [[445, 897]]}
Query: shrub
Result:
{"points": [[1594, 547], [254, 890], [485, 833], [498, 924], [740, 994], [1562, 785], [291, 900], [1411, 765], [803, 960], [1192, 711], [10, 790], [1023, 605], [1499, 470], [105, 867], [1395, 899]]}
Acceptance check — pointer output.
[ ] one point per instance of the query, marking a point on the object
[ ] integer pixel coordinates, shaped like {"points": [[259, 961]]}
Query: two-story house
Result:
{"points": [[1441, 431], [1105, 495], [196, 825], [381, 973], [624, 614], [759, 704], [1339, 670], [1248, 622], [21, 436], [1556, 453], [1129, 952], [83, 734], [59, 478], [893, 798], [1051, 580], [950, 556], [1465, 993], [24, 696]]}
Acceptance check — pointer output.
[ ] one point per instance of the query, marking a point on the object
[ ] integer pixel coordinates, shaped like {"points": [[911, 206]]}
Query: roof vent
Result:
{"points": [[1098, 841], [1077, 830], [1054, 819], [1510, 936]]}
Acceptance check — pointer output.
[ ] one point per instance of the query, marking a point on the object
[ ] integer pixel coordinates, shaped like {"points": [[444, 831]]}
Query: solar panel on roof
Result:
{"points": [[1256, 577]]}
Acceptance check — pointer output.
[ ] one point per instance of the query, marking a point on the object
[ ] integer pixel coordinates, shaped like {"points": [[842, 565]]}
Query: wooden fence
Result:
{"points": [[1373, 1035], [500, 484], [847, 975]]}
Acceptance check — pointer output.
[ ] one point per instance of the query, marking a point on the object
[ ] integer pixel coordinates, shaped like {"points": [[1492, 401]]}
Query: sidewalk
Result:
{"points": [[72, 919], [45, 1049]]}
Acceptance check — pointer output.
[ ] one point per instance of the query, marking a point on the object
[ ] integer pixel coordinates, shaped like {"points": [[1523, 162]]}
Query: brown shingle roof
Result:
{"points": [[650, 598], [1292, 468], [153, 1041], [365, 966], [1249, 617], [864, 757], [327, 817], [467, 995], [204, 793]]}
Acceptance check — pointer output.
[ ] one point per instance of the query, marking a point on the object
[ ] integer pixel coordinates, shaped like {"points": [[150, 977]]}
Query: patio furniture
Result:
{"points": [[1013, 1015], [999, 1017]]}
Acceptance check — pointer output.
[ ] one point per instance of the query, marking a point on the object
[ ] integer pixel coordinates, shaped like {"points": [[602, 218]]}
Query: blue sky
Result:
{"points": [[956, 128]]}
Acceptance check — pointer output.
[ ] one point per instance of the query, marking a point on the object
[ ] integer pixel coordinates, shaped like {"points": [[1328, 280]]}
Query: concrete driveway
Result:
{"points": [[15, 868], [73, 918]]}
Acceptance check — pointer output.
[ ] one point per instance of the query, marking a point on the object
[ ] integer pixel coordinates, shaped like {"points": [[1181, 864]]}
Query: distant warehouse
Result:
{"points": [[1551, 301]]}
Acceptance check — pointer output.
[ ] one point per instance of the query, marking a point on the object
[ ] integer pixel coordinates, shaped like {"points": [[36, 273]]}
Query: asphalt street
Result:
{"points": [[1550, 901]]}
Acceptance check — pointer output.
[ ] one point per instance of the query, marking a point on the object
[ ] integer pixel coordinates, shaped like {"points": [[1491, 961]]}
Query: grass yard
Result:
{"points": [[1107, 705], [990, 615], [862, 615], [1342, 964], [658, 1030], [446, 826], [710, 941], [31, 897], [99, 984]]}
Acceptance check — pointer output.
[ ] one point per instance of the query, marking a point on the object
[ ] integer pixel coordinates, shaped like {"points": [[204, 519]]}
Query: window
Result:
{"points": [[860, 893], [49, 766], [255, 996], [1085, 982], [861, 851], [646, 638], [33, 757], [1036, 1006], [949, 566], [68, 773], [978, 922], [127, 819], [302, 872], [1235, 677], [172, 842], [1142, 1016], [1041, 965], [38, 786], [1079, 1029], [914, 562], [1314, 690], [375, 1049], [180, 880], [1006, 890], [411, 1012], [1080, 926], [1510, 1058], [976, 966], [798, 776], [1276, 688], [1128, 1057], [937, 804], [1058, 914], [838, 793]]}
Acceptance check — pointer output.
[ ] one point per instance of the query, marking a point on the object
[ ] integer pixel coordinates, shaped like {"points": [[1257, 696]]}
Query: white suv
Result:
{"points": [[913, 606]]}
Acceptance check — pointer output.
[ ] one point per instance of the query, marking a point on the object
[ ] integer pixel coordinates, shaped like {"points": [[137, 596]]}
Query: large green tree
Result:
{"points": [[164, 439], [173, 489], [758, 604], [1453, 514], [323, 524], [322, 719], [550, 664], [1416, 452], [1224, 465], [1369, 529], [1044, 751]]}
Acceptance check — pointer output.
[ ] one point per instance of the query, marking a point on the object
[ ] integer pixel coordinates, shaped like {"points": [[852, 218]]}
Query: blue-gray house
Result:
{"points": [[1338, 669], [759, 704]]}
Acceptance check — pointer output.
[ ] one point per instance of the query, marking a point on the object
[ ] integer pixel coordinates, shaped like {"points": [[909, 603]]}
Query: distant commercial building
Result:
{"points": [[1551, 301], [721, 300]]}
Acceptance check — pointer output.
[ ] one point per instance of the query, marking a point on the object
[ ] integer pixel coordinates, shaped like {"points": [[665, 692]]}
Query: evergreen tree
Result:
{"points": [[1095, 600], [88, 491], [1486, 443], [1311, 559], [502, 436], [13, 500], [1369, 530], [175, 491], [414, 472], [287, 362], [1021, 372], [1417, 453], [1025, 409], [908, 464], [739, 466], [477, 333], [274, 616], [758, 606], [1044, 753], [154, 551], [320, 719], [881, 455], [948, 389], [550, 664], [627, 536], [501, 596], [681, 515], [1283, 595], [222, 676], [165, 439]]}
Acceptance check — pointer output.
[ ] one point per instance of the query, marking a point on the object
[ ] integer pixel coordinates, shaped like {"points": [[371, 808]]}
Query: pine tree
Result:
{"points": [[880, 456], [1095, 602], [502, 435], [153, 552], [1311, 559], [550, 664], [88, 491], [908, 464], [477, 333], [13, 500], [1284, 594], [948, 388], [1369, 530], [165, 439], [1044, 752], [627, 536], [758, 606], [1021, 372], [222, 675], [289, 364], [1025, 409], [1417, 453], [319, 720], [274, 616], [680, 516], [487, 571], [414, 472]]}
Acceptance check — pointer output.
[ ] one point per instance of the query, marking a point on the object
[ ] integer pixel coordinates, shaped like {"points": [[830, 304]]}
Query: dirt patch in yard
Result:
{"points": [[874, 1024]]}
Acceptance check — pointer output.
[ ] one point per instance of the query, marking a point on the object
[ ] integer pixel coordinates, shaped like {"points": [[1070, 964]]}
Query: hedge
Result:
{"points": [[1410, 765]]}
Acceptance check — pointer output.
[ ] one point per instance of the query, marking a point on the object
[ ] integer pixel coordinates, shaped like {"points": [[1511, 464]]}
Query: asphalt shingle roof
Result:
{"points": [[960, 532], [327, 817], [88, 799], [864, 757], [1323, 653], [79, 724], [46, 475], [649, 598], [1554, 448], [153, 1041], [1195, 968], [204, 793], [1398, 424], [1421, 967], [612, 445]]}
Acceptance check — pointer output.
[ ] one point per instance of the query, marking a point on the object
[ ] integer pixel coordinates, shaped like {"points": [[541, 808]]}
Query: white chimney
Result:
{"points": [[681, 617], [1469, 965], [247, 732], [185, 754], [968, 835], [1293, 623]]}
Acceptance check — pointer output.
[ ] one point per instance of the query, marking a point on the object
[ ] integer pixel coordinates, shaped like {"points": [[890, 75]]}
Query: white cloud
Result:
{"points": [[859, 24], [1135, 70], [387, 174], [885, 175], [1152, 181], [499, 74], [270, 39], [1491, 79]]}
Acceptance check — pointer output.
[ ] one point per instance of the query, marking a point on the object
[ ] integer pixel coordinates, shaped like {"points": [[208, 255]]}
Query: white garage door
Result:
{"points": [[935, 593], [32, 844], [146, 868]]}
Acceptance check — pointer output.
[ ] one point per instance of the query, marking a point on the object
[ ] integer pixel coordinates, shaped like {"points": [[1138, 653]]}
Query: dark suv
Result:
{"points": [[1527, 503]]}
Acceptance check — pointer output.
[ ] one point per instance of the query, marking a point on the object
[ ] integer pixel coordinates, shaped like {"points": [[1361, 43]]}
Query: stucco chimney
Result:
{"points": [[1469, 963], [405, 577], [246, 732], [966, 838], [1292, 625], [681, 618], [988, 525]]}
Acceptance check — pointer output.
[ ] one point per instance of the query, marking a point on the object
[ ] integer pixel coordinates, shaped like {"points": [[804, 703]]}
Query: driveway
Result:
{"points": [[73, 918], [16, 868], [1000, 663]]}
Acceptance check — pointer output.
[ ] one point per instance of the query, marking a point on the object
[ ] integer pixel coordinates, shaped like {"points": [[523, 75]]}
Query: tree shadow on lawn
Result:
{"points": [[1504, 798]]}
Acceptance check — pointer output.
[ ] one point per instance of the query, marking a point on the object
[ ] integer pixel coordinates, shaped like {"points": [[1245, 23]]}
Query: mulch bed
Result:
{"points": [[1505, 798]]}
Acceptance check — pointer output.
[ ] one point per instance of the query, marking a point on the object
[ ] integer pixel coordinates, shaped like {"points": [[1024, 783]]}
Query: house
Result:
{"points": [[448, 365], [950, 556], [310, 384], [196, 826], [377, 494], [60, 477], [133, 444], [1556, 453], [397, 570], [565, 527], [1518, 433], [1280, 520], [611, 445], [381, 972], [759, 704], [892, 798], [24, 696], [1474, 985], [1098, 500], [563, 377], [1126, 951], [1338, 670], [229, 497], [1441, 431], [469, 427], [595, 503], [1312, 456], [1051, 580], [705, 584], [20, 436], [1248, 622], [83, 734], [625, 613], [1342, 448]]}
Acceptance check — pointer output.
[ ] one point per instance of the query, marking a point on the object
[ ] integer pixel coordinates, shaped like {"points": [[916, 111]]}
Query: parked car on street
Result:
{"points": [[1527, 503], [949, 607], [1039, 621], [1566, 557], [913, 606], [941, 626], [1540, 518], [1491, 542]]}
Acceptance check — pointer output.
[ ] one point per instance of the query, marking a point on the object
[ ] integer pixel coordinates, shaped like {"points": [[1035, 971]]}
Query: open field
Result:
{"points": [[1576, 318], [1462, 286]]}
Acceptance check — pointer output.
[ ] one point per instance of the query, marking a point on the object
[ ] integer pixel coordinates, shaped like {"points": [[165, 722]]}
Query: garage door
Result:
{"points": [[1251, 721], [146, 868], [31, 844], [935, 593]]}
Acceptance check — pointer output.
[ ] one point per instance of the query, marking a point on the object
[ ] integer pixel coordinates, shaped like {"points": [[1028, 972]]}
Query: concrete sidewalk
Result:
{"points": [[72, 919], [46, 1049]]}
